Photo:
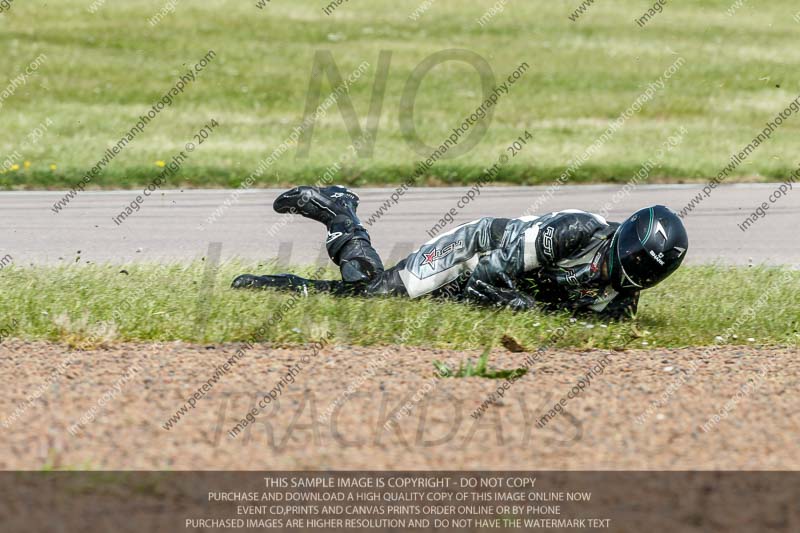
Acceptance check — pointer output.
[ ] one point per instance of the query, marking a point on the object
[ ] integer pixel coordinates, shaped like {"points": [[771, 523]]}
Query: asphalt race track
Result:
{"points": [[172, 225]]}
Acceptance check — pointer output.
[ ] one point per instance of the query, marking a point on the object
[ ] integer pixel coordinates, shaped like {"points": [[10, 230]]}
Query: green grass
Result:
{"points": [[104, 69], [163, 302], [477, 369]]}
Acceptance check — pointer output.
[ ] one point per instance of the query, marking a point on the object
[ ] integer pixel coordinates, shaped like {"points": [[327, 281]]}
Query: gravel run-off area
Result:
{"points": [[117, 400]]}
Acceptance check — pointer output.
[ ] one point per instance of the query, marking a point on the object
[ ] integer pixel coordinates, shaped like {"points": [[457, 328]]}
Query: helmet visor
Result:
{"points": [[639, 268]]}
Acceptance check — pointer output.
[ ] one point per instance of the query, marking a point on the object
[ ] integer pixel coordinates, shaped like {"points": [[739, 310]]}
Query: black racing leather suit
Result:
{"points": [[553, 262]]}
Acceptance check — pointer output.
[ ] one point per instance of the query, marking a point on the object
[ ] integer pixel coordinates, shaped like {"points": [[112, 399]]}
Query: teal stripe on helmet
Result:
{"points": [[649, 227], [611, 254]]}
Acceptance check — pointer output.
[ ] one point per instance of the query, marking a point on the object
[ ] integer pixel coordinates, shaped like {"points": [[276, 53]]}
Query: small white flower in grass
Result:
{"points": [[573, 320], [645, 343], [719, 338], [589, 326], [750, 339]]}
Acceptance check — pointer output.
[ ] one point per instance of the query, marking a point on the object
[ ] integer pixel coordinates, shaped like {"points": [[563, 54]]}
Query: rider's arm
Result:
{"points": [[527, 246]]}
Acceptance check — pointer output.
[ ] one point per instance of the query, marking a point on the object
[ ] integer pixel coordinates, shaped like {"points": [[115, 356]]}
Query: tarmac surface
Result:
{"points": [[173, 225]]}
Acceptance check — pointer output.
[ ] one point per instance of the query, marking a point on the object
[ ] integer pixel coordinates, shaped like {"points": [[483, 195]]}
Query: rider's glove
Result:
{"points": [[499, 296]]}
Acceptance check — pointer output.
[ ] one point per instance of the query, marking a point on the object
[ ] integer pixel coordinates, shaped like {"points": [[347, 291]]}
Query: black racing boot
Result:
{"points": [[349, 246], [284, 282], [320, 204], [281, 281], [348, 243]]}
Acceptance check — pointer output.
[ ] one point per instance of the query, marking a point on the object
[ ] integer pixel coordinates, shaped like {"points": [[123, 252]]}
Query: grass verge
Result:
{"points": [[105, 65], [101, 304]]}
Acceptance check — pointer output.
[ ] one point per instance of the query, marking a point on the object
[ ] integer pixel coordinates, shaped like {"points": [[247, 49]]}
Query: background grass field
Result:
{"points": [[93, 305], [104, 69]]}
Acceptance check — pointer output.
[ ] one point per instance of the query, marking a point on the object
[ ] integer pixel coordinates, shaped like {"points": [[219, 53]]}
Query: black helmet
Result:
{"points": [[647, 248]]}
